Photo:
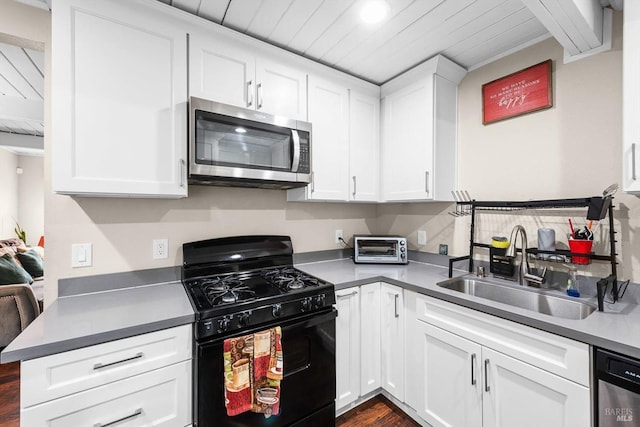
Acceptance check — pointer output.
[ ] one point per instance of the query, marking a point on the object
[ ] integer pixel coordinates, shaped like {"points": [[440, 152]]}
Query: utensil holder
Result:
{"points": [[500, 264], [578, 246]]}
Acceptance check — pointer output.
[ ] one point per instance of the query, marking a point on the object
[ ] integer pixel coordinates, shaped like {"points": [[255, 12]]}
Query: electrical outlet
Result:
{"points": [[338, 236], [160, 248], [422, 237], [81, 255], [443, 249]]}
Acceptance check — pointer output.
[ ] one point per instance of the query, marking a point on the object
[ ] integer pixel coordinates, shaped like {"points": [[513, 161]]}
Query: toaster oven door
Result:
{"points": [[379, 251]]}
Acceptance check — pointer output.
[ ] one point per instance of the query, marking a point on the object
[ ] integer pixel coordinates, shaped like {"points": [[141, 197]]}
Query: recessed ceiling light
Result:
{"points": [[241, 130], [374, 11]]}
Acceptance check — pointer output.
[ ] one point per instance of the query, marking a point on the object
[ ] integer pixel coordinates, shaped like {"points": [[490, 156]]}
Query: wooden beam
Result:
{"points": [[580, 26], [21, 141], [20, 109]]}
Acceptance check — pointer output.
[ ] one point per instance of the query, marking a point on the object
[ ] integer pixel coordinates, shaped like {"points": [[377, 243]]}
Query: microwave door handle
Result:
{"points": [[296, 151]]}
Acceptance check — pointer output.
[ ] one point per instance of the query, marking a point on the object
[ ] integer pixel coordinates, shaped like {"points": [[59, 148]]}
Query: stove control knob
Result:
{"points": [[243, 318], [306, 304], [276, 310], [223, 324], [320, 301]]}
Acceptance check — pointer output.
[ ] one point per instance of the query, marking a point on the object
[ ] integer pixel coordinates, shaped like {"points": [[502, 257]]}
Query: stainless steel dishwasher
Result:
{"points": [[617, 395]]}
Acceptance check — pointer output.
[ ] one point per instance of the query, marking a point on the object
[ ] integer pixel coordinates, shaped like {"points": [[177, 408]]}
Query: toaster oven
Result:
{"points": [[379, 250]]}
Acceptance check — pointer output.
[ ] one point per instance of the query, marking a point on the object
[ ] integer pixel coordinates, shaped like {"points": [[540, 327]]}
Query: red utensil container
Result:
{"points": [[579, 246]]}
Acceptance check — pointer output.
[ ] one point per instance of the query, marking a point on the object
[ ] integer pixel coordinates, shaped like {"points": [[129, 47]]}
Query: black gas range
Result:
{"points": [[244, 284]]}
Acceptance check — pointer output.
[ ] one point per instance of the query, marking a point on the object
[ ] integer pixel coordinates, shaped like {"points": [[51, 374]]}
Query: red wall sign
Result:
{"points": [[519, 93]]}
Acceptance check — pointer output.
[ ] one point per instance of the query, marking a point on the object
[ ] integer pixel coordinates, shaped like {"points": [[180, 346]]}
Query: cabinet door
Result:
{"points": [[448, 369], [347, 346], [518, 394], [631, 97], [392, 340], [328, 114], [160, 398], [119, 100], [221, 71], [281, 90], [369, 338], [407, 142], [364, 137]]}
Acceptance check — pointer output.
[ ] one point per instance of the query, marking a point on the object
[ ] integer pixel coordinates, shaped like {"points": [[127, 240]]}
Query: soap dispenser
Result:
{"points": [[573, 289]]}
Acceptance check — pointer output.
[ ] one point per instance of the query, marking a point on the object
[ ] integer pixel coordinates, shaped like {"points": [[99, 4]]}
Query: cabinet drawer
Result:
{"points": [[561, 356], [160, 398], [61, 374]]}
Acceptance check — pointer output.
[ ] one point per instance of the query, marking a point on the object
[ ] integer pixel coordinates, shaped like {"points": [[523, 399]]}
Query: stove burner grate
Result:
{"points": [[289, 278], [226, 290]]}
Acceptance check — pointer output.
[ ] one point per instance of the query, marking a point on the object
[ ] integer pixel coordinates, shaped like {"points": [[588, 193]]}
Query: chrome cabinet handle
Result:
{"points": [[259, 96], [106, 365], [426, 182], [295, 163], [136, 413], [183, 172], [473, 369], [354, 186], [486, 375], [633, 161], [395, 302], [313, 184], [249, 93], [348, 295]]}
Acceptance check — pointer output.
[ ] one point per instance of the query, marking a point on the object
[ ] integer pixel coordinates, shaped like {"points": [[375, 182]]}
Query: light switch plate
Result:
{"points": [[422, 237], [81, 255]]}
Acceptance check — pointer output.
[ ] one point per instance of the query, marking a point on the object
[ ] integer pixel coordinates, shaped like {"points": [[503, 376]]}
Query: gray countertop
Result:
{"points": [[617, 328], [87, 319], [77, 321]]}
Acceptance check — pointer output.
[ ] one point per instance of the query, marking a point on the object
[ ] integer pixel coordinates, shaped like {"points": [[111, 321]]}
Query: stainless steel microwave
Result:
{"points": [[380, 250], [241, 147]]}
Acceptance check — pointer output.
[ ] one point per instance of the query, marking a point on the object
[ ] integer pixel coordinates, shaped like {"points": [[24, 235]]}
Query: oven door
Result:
{"points": [[308, 388]]}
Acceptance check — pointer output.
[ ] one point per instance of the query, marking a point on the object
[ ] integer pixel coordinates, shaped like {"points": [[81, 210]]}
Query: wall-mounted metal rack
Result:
{"points": [[598, 209]]}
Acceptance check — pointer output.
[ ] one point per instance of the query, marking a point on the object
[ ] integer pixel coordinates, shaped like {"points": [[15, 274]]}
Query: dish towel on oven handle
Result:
{"points": [[252, 372]]}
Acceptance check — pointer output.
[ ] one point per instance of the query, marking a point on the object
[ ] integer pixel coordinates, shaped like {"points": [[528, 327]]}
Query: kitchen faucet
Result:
{"points": [[524, 276]]}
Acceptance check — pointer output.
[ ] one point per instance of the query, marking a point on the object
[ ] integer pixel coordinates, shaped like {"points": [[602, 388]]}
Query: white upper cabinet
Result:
{"points": [[364, 147], [119, 98], [230, 72], [419, 137], [329, 117], [631, 98], [344, 144]]}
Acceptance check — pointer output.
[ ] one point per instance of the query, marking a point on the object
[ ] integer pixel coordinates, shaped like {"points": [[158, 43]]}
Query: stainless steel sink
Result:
{"points": [[529, 299]]}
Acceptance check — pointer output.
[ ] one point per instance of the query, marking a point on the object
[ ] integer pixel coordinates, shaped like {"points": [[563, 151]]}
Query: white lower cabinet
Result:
{"points": [[138, 381], [347, 346], [357, 343], [392, 340], [519, 394], [159, 398], [370, 346], [448, 376], [458, 380]]}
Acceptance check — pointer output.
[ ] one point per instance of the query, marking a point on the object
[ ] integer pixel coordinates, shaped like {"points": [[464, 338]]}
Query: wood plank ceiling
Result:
{"points": [[469, 32], [21, 90]]}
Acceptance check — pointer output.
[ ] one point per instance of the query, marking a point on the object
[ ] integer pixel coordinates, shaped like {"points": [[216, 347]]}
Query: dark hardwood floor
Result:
{"points": [[376, 412], [10, 394]]}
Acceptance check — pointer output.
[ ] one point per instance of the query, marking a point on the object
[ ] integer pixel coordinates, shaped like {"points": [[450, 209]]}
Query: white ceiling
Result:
{"points": [[469, 32]]}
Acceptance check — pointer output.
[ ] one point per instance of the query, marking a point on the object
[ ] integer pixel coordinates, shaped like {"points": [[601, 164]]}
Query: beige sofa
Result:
{"points": [[19, 303]]}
